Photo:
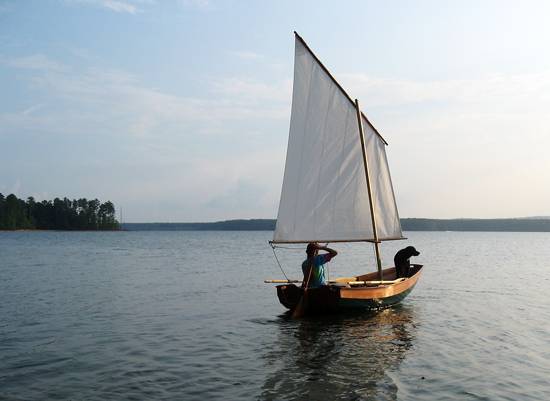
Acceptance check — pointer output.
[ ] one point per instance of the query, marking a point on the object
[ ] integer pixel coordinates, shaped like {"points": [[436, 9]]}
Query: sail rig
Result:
{"points": [[331, 162]]}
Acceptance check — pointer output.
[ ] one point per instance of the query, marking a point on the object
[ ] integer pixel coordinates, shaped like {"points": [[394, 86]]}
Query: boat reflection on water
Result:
{"points": [[339, 357]]}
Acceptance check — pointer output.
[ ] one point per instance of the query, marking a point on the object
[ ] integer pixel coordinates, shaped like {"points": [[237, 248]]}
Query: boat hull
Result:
{"points": [[341, 296]]}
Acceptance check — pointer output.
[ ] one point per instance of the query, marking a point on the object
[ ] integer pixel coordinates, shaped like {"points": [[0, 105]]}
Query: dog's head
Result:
{"points": [[411, 251]]}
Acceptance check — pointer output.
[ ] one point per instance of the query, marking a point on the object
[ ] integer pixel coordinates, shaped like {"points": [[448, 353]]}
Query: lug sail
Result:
{"points": [[324, 196]]}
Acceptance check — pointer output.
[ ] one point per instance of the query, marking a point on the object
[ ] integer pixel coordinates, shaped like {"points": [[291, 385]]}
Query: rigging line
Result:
{"points": [[301, 248], [279, 263]]}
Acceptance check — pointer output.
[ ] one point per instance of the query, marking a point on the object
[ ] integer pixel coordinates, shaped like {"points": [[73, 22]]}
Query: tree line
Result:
{"points": [[59, 214]]}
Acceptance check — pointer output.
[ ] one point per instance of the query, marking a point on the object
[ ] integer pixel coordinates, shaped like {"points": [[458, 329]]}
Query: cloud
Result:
{"points": [[215, 155], [251, 89], [243, 185], [119, 6], [34, 62], [199, 4], [466, 142], [32, 109], [98, 98], [247, 55], [112, 5], [200, 152], [15, 188], [242, 195], [194, 187], [510, 89]]}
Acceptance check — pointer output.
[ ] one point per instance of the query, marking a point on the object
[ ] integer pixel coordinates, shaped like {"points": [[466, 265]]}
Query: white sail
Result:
{"points": [[324, 196]]}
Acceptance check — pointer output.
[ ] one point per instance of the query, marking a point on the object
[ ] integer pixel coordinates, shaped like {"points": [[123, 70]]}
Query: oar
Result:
{"points": [[301, 308]]}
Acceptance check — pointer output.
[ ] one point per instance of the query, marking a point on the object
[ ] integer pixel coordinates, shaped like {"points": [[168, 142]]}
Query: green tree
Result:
{"points": [[107, 220], [61, 214], [11, 210], [2, 212], [93, 209], [31, 204]]}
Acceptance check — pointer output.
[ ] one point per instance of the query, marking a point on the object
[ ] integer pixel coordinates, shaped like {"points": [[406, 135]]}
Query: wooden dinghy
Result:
{"points": [[363, 292], [336, 188]]}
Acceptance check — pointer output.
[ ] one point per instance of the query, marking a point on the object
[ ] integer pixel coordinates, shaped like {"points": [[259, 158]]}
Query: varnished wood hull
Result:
{"points": [[338, 296]]}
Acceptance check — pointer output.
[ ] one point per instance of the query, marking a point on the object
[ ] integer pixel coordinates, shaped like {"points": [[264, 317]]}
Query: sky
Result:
{"points": [[179, 110]]}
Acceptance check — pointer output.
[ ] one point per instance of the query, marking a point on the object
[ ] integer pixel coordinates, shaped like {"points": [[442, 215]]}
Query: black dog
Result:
{"points": [[402, 262]]}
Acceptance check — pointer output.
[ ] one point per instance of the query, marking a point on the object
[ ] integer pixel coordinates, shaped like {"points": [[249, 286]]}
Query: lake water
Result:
{"points": [[186, 316]]}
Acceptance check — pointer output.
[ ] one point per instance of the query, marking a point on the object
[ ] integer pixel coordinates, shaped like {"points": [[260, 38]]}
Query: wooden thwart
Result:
{"points": [[377, 282]]}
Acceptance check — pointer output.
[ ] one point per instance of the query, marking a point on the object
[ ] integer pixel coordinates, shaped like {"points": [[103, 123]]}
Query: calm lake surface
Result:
{"points": [[186, 316]]}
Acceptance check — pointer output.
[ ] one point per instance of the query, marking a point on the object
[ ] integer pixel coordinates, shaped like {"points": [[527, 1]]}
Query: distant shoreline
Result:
{"points": [[408, 224], [529, 224], [55, 229]]}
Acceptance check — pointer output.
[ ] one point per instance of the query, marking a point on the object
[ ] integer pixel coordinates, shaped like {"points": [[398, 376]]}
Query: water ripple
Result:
{"points": [[182, 315]]}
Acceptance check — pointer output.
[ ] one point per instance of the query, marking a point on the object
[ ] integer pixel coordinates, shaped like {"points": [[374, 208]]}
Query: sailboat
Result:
{"points": [[336, 188]]}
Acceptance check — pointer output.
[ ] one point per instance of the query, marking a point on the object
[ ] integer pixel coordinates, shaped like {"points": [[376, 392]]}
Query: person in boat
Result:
{"points": [[314, 266], [402, 261]]}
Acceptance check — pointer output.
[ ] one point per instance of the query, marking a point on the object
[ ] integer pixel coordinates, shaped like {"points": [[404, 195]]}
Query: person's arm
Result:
{"points": [[331, 252]]}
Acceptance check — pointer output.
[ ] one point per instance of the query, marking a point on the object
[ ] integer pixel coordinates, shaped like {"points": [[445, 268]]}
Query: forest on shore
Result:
{"points": [[59, 214]]}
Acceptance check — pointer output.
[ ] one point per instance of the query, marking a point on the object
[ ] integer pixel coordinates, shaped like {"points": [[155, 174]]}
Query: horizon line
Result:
{"points": [[402, 218]]}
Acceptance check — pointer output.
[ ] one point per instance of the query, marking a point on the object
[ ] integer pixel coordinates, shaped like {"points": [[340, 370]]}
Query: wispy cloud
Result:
{"points": [[200, 4], [247, 55], [15, 188], [170, 134], [499, 88], [33, 62], [112, 5], [254, 90], [120, 6], [32, 109], [98, 95]]}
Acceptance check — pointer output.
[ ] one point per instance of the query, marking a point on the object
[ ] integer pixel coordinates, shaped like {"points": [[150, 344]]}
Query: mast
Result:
{"points": [[369, 190]]}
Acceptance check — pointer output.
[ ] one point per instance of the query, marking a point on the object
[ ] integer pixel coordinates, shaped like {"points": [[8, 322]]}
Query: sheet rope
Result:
{"points": [[279, 263]]}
